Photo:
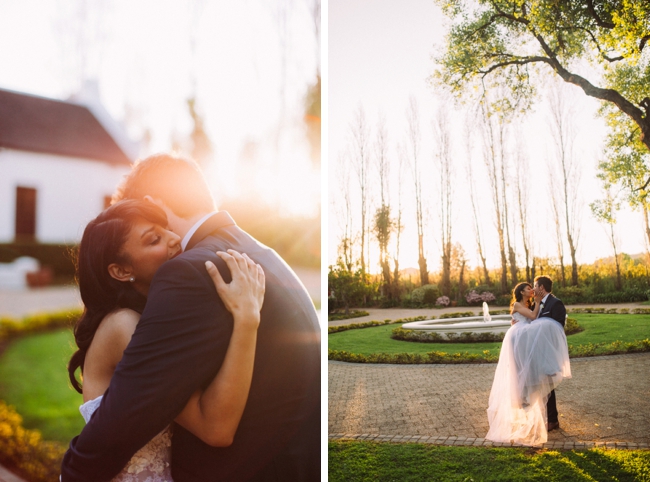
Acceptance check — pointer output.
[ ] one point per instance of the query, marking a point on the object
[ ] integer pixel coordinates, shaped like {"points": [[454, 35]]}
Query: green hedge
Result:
{"points": [[399, 333], [59, 257], [369, 324], [343, 316], [14, 327], [439, 357]]}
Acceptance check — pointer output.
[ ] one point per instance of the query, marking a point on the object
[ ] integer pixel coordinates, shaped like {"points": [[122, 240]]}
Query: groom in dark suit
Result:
{"points": [[181, 341], [550, 307]]}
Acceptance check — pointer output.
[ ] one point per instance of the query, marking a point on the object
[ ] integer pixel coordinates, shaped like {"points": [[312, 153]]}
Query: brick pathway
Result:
{"points": [[606, 402]]}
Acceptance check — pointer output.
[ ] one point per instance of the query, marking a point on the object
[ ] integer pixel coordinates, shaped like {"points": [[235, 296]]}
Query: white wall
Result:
{"points": [[70, 192]]}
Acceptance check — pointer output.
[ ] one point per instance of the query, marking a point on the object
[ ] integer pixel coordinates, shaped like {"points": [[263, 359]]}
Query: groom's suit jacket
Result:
{"points": [[178, 347], [554, 308]]}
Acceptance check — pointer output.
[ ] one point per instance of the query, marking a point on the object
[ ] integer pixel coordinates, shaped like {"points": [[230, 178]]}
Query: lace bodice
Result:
{"points": [[150, 463], [519, 317]]}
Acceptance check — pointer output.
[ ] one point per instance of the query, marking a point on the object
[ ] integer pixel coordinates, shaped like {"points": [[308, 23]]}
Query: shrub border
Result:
{"points": [[437, 357], [343, 316]]}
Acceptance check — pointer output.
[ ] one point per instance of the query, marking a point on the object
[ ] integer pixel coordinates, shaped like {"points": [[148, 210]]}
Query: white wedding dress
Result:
{"points": [[534, 359], [150, 463]]}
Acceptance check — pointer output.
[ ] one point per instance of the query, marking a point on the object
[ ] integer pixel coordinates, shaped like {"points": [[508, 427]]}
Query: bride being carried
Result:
{"points": [[534, 359]]}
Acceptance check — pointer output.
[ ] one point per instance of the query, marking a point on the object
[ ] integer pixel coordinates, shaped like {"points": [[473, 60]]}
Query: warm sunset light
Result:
{"points": [[249, 69]]}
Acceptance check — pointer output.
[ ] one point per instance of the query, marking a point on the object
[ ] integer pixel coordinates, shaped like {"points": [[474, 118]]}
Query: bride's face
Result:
{"points": [[528, 292], [147, 247]]}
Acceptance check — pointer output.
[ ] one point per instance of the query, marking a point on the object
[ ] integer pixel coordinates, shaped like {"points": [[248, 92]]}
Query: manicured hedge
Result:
{"points": [[433, 357], [343, 316], [398, 333], [59, 257], [13, 327]]}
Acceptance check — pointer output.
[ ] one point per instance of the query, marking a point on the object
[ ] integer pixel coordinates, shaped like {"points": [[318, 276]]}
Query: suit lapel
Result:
{"points": [[215, 222], [550, 301]]}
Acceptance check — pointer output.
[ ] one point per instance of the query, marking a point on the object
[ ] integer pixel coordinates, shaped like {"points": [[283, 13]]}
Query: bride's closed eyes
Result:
{"points": [[145, 249]]}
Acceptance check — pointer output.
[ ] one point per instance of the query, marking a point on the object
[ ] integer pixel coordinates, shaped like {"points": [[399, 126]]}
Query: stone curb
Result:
{"points": [[481, 442]]}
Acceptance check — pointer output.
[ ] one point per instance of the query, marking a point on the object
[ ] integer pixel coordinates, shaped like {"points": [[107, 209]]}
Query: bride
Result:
{"points": [[534, 359], [119, 254]]}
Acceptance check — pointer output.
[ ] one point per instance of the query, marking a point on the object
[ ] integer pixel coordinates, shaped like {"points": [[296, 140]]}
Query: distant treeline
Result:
{"points": [[597, 283]]}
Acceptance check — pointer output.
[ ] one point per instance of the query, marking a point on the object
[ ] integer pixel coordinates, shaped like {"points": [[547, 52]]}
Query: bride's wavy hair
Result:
{"points": [[101, 245], [518, 295]]}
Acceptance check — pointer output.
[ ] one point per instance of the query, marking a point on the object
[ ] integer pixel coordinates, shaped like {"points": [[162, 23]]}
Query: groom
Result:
{"points": [[550, 307], [181, 341]]}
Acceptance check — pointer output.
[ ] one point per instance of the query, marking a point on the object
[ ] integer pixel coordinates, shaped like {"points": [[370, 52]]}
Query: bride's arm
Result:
{"points": [[524, 310], [213, 414]]}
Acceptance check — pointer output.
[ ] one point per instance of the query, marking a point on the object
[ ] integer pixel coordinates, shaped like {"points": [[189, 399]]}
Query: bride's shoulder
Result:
{"points": [[117, 327]]}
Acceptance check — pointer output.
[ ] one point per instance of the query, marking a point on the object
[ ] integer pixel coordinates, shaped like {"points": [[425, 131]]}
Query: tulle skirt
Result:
{"points": [[534, 360]]}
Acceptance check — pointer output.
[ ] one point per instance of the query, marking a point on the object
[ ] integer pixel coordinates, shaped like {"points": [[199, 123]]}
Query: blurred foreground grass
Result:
{"points": [[369, 461], [34, 379]]}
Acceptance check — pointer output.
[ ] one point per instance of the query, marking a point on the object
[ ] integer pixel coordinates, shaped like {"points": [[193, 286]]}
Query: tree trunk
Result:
{"points": [[422, 263]]}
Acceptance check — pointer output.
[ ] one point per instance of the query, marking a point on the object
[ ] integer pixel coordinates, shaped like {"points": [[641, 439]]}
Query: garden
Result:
{"points": [[39, 411]]}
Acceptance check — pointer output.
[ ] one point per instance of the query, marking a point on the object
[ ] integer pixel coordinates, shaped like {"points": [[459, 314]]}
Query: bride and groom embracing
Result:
{"points": [[534, 359], [199, 347]]}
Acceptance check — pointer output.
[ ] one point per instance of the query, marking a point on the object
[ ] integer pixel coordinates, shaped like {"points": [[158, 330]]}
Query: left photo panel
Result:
{"points": [[160, 241]]}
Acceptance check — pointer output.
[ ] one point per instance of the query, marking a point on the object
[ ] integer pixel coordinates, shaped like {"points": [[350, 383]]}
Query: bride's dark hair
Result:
{"points": [[101, 245], [518, 295]]}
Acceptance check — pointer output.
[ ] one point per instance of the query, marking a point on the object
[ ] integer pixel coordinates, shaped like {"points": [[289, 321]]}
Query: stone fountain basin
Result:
{"points": [[473, 324]]}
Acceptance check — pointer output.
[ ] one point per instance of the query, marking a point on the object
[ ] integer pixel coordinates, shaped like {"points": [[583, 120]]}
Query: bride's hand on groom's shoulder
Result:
{"points": [[244, 295]]}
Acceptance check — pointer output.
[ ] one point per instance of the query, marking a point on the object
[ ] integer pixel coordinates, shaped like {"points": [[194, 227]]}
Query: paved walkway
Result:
{"points": [[606, 401], [18, 303], [381, 314]]}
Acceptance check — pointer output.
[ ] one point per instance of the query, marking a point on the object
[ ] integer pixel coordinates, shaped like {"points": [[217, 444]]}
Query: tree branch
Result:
{"points": [[509, 16], [644, 40], [519, 61], [595, 41], [647, 183], [599, 21], [591, 90]]}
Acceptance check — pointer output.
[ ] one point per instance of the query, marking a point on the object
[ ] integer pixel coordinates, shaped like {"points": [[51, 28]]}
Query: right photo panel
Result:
{"points": [[488, 265]]}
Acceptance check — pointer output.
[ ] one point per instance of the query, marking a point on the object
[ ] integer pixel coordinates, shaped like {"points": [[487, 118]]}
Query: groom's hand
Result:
{"points": [[512, 321]]}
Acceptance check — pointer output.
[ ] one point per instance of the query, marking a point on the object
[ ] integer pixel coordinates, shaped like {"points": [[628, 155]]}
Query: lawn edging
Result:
{"points": [[440, 357]]}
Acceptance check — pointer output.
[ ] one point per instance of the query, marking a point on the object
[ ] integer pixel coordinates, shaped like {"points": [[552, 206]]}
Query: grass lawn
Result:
{"points": [[599, 328], [368, 461], [34, 379]]}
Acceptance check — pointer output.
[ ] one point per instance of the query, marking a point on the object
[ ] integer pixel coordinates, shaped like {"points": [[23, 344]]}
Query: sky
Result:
{"points": [[380, 55], [249, 65]]}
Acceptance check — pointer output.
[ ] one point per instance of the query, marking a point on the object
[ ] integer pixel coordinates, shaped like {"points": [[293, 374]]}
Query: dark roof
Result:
{"points": [[37, 124]]}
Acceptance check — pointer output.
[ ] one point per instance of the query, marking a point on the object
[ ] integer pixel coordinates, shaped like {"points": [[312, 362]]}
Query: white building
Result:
{"points": [[59, 164]]}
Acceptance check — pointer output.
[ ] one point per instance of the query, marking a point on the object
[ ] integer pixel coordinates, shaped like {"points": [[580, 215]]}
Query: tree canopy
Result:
{"points": [[503, 42]]}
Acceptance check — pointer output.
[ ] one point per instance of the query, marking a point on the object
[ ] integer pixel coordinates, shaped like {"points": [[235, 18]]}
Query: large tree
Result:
{"points": [[566, 196], [383, 223], [413, 152], [443, 160], [502, 42], [360, 158]]}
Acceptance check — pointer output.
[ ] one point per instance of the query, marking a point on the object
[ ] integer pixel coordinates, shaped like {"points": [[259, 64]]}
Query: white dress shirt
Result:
{"points": [[542, 303], [193, 229]]}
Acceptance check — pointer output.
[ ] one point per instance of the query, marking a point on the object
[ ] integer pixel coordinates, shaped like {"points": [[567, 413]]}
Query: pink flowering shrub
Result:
{"points": [[487, 296], [474, 298], [442, 301]]}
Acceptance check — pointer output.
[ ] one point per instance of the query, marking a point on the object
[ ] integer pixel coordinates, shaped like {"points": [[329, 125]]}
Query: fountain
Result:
{"points": [[473, 324], [486, 313]]}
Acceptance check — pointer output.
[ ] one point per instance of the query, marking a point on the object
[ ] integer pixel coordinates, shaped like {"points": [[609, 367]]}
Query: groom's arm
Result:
{"points": [[558, 312], [177, 347]]}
